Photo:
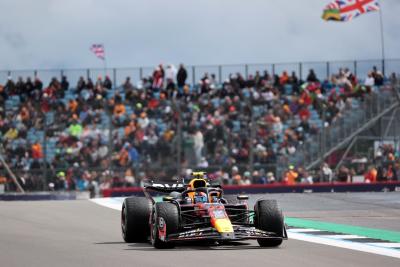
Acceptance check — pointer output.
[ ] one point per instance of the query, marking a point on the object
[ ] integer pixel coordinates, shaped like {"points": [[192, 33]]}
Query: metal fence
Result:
{"points": [[323, 71]]}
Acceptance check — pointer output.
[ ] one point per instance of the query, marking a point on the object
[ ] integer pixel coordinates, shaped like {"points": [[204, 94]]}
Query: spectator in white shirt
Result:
{"points": [[369, 81]]}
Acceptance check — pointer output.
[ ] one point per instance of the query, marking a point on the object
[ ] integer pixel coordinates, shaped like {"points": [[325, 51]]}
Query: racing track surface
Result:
{"points": [[82, 233]]}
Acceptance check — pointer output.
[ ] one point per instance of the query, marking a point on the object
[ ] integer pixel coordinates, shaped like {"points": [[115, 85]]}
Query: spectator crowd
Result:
{"points": [[96, 133]]}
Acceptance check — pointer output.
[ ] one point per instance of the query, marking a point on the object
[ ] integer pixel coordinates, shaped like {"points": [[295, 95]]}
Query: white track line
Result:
{"points": [[112, 203], [385, 245], [385, 249], [365, 247], [344, 236], [302, 230]]}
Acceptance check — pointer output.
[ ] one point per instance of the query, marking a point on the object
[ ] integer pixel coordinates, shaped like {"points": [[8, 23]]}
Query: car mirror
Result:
{"points": [[216, 185], [242, 197], [167, 198]]}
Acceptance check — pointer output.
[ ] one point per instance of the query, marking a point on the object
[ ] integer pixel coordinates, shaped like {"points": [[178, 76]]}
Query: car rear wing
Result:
{"points": [[151, 187], [164, 187]]}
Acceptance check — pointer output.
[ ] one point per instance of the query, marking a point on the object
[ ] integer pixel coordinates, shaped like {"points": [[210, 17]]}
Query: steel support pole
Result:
{"points": [[382, 41], [193, 75], [252, 137], [301, 71], [220, 74], [353, 141], [328, 71], [115, 78], [179, 140], [390, 123], [45, 147], [355, 68], [13, 177], [110, 141], [323, 132]]}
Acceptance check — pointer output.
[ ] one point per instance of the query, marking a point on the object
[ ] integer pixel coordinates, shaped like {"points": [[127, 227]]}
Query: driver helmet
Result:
{"points": [[214, 197], [200, 197]]}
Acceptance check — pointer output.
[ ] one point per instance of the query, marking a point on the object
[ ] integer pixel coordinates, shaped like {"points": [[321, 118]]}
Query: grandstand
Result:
{"points": [[243, 124]]}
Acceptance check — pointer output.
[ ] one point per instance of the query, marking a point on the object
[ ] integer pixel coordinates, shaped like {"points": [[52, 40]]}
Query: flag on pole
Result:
{"points": [[346, 10], [98, 50]]}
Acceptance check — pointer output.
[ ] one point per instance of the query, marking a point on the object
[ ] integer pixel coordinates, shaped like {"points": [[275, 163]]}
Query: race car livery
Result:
{"points": [[199, 211]]}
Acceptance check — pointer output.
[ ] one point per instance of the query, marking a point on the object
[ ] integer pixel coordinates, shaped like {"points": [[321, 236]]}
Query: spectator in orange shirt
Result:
{"points": [[284, 78], [291, 176], [130, 128], [123, 156], [119, 110], [168, 135], [371, 175], [37, 152], [119, 113], [72, 105]]}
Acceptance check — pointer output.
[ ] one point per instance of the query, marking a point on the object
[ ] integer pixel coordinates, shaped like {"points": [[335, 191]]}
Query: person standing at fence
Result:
{"points": [[170, 72], [181, 76]]}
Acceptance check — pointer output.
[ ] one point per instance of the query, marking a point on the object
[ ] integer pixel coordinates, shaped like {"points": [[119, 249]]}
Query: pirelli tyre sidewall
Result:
{"points": [[164, 221], [135, 216], [268, 217]]}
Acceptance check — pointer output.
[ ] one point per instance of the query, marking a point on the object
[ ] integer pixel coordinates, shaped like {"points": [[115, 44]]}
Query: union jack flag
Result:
{"points": [[98, 50], [346, 10]]}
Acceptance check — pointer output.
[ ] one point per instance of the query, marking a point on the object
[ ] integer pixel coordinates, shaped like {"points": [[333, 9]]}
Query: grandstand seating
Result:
{"points": [[196, 114]]}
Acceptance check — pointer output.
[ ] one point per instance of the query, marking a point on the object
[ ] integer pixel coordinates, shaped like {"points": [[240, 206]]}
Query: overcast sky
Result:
{"points": [[58, 33]]}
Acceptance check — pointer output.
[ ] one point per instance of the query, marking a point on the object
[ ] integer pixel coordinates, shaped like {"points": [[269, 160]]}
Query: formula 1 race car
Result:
{"points": [[198, 211]]}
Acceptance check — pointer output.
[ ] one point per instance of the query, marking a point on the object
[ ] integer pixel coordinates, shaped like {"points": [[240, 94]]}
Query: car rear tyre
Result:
{"points": [[164, 214], [269, 218], [135, 219]]}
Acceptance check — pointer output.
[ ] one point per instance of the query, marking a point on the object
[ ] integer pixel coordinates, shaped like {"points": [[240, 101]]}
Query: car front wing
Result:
{"points": [[209, 233]]}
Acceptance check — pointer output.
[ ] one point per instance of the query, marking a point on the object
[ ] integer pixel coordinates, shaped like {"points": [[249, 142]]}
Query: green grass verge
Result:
{"points": [[344, 229]]}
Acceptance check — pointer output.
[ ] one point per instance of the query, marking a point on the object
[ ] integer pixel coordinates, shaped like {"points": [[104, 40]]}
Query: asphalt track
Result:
{"points": [[82, 233]]}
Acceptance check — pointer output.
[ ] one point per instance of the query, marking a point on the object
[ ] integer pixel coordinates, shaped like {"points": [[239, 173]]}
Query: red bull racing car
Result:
{"points": [[198, 211]]}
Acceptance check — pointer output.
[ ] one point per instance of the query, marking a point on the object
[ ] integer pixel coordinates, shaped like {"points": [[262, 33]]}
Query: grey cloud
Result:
{"points": [[55, 33], [14, 40]]}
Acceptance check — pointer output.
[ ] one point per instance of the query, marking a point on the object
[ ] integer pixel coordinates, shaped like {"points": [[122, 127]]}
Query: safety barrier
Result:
{"points": [[228, 189], [279, 188], [44, 196]]}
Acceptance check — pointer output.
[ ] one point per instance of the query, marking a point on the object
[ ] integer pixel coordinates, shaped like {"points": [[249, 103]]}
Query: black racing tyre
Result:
{"points": [[269, 218], [135, 216], [164, 213]]}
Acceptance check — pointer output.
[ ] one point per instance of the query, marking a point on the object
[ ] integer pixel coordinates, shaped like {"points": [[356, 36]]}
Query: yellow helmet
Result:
{"points": [[197, 183], [198, 175]]}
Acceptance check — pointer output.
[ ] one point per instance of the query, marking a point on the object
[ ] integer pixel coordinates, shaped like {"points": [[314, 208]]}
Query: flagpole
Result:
{"points": [[382, 39], [105, 67], [105, 61]]}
